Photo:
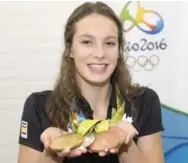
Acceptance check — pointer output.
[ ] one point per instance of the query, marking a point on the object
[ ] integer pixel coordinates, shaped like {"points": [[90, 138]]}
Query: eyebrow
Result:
{"points": [[92, 37]]}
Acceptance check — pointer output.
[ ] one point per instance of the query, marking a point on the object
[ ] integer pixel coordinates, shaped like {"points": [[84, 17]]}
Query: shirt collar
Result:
{"points": [[83, 104]]}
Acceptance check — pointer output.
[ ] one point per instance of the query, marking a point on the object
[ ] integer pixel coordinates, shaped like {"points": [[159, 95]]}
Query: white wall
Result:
{"points": [[30, 49]]}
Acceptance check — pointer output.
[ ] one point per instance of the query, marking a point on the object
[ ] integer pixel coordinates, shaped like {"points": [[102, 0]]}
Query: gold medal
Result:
{"points": [[67, 141], [88, 140]]}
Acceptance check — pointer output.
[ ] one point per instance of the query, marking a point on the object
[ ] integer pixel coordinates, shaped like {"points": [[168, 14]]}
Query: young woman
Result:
{"points": [[92, 71]]}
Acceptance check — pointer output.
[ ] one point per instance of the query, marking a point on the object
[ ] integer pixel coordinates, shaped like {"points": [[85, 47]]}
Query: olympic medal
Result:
{"points": [[110, 139], [88, 140], [67, 141]]}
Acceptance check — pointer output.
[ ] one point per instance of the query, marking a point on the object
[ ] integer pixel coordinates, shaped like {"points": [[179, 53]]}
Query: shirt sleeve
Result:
{"points": [[31, 126], [151, 116]]}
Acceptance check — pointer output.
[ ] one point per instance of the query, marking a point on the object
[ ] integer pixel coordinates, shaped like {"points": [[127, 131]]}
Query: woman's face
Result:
{"points": [[95, 48]]}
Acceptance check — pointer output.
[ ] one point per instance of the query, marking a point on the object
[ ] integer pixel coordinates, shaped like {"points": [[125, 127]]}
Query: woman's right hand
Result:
{"points": [[52, 133]]}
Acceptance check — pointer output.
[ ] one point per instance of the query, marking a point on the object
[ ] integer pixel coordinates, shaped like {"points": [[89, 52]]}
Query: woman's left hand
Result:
{"points": [[130, 133], [129, 129]]}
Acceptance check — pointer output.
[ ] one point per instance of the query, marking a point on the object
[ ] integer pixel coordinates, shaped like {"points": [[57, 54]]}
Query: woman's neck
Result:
{"points": [[97, 96]]}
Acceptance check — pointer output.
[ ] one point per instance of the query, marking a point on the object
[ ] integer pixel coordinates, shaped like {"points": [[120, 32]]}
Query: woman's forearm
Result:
{"points": [[48, 158], [131, 154]]}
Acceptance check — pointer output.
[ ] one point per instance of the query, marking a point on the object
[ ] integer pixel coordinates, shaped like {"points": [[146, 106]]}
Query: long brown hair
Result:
{"points": [[66, 91]]}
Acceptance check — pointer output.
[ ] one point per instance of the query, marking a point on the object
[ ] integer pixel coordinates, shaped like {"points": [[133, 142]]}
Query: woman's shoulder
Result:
{"points": [[34, 119], [39, 97], [146, 95], [148, 109], [149, 92], [41, 94], [35, 104]]}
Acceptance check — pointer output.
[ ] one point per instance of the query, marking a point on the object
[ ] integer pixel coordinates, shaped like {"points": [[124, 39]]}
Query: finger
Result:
{"points": [[115, 150], [63, 153], [47, 153], [83, 149], [102, 154], [62, 132], [113, 124], [46, 142], [45, 139], [129, 137], [75, 153], [90, 151], [127, 140]]}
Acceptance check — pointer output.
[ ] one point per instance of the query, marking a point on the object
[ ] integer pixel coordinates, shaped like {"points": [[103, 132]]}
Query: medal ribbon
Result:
{"points": [[79, 124]]}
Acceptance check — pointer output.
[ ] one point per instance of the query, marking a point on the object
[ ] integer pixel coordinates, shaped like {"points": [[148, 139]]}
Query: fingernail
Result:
{"points": [[67, 150], [78, 153], [113, 150], [90, 151], [127, 141], [83, 149]]}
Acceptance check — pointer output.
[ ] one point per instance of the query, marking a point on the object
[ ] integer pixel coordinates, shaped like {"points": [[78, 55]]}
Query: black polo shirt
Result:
{"points": [[35, 120]]}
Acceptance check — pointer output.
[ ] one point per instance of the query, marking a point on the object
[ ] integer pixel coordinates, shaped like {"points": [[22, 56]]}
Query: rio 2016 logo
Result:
{"points": [[139, 19], [149, 22]]}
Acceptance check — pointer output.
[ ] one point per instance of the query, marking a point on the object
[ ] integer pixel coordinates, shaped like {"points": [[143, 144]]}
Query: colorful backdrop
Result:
{"points": [[155, 36]]}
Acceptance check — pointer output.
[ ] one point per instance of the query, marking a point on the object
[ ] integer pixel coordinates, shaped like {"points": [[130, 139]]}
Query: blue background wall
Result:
{"points": [[175, 135]]}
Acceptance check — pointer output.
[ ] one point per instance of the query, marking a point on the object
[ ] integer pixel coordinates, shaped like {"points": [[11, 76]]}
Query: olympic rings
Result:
{"points": [[148, 63]]}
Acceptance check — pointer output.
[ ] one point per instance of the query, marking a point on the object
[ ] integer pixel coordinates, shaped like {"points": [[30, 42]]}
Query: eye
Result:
{"points": [[111, 43], [86, 42]]}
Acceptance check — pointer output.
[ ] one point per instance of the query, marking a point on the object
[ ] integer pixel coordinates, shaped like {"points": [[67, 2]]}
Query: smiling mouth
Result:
{"points": [[98, 68], [97, 65]]}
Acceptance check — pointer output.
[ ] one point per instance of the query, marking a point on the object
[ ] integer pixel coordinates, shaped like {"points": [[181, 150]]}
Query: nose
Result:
{"points": [[99, 52]]}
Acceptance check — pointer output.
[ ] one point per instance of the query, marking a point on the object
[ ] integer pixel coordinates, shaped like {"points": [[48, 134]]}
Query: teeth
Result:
{"points": [[97, 66]]}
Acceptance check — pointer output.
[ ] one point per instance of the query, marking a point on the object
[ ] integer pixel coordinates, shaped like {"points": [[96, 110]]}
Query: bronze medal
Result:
{"points": [[110, 139]]}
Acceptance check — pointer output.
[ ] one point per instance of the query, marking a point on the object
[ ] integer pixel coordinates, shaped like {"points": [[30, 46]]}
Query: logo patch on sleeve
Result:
{"points": [[24, 129]]}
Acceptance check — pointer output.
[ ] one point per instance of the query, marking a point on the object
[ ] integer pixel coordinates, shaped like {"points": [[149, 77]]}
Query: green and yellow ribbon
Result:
{"points": [[79, 124]]}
